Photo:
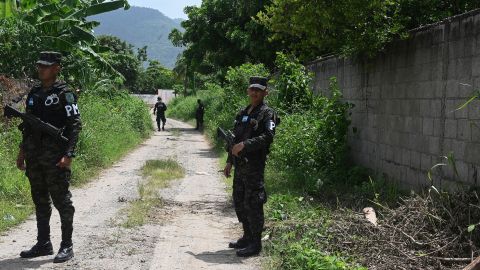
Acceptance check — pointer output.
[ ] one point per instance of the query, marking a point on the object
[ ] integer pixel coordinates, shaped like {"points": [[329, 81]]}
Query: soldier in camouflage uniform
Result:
{"points": [[47, 161], [254, 131], [159, 110]]}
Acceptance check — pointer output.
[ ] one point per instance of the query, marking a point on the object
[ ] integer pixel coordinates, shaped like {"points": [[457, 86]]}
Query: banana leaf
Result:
{"points": [[100, 8], [7, 8]]}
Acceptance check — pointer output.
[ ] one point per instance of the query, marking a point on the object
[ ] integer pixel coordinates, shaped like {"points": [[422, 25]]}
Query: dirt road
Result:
{"points": [[190, 232]]}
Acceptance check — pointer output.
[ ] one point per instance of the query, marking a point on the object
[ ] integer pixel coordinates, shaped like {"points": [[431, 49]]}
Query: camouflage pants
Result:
{"points": [[249, 196], [50, 183]]}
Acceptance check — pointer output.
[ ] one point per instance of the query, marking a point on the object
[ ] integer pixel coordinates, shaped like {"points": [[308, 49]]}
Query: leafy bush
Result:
{"points": [[183, 108], [313, 143], [20, 45], [293, 84]]}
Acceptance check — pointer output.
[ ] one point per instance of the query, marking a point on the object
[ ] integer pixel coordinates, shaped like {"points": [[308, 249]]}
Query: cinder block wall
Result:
{"points": [[405, 101]]}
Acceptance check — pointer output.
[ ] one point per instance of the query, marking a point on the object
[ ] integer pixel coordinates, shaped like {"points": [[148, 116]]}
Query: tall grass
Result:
{"points": [[111, 127]]}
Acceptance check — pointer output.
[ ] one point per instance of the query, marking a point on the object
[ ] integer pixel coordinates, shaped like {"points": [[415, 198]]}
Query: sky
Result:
{"points": [[171, 8]]}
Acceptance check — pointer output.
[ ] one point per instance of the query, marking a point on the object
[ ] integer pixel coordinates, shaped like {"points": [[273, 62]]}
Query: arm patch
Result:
{"points": [[70, 97]]}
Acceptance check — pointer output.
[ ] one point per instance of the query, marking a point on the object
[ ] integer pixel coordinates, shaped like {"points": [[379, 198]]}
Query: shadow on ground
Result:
{"points": [[20, 263], [226, 256]]}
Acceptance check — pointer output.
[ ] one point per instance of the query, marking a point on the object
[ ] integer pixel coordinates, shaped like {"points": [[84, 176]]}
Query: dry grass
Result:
{"points": [[422, 232]]}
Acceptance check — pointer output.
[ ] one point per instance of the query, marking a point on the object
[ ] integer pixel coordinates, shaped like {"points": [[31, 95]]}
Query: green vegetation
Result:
{"points": [[158, 174], [108, 121], [220, 34]]}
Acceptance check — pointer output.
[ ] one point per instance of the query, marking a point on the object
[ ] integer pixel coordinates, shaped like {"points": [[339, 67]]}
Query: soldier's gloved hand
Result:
{"points": [[65, 162], [21, 161], [237, 148], [228, 169]]}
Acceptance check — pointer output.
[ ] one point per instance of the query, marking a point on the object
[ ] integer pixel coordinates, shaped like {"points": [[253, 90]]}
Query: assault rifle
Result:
{"points": [[36, 123], [229, 138]]}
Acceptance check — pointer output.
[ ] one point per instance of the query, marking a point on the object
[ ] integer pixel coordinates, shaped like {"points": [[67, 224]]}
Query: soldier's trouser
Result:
{"points": [[161, 118], [249, 196], [199, 122], [49, 181]]}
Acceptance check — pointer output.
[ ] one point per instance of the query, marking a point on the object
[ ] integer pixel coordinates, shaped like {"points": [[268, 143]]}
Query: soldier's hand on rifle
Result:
{"points": [[21, 161], [227, 170], [65, 162], [237, 148]]}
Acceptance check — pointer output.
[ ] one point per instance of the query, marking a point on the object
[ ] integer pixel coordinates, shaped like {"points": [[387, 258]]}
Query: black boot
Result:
{"points": [[240, 243], [41, 248], [252, 249], [65, 253], [245, 240]]}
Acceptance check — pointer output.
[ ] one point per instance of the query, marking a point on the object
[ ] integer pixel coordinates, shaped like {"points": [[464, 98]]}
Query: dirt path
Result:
{"points": [[190, 232]]}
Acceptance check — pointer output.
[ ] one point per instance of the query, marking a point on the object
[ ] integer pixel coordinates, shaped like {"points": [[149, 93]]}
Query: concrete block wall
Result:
{"points": [[405, 103]]}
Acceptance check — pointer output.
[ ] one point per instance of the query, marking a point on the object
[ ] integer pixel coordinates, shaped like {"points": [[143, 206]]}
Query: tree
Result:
{"points": [[122, 58], [351, 27], [61, 26], [221, 33], [155, 77]]}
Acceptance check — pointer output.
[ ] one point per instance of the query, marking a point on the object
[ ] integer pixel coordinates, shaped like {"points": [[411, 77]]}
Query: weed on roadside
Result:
{"points": [[157, 175]]}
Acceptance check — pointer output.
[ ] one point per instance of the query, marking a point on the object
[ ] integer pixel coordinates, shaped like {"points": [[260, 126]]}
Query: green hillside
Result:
{"points": [[142, 27]]}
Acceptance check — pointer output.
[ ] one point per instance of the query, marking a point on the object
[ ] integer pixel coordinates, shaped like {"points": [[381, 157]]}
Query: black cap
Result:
{"points": [[258, 82], [49, 58], [159, 98]]}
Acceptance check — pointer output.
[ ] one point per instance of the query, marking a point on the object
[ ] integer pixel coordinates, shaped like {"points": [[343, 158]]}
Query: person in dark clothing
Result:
{"points": [[254, 131], [159, 110], [199, 114], [46, 161]]}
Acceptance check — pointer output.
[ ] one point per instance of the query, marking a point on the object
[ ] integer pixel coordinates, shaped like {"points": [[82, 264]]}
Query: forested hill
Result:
{"points": [[142, 27]]}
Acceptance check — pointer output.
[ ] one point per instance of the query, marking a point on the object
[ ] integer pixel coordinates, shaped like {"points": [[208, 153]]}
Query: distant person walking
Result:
{"points": [[199, 114], [159, 110]]}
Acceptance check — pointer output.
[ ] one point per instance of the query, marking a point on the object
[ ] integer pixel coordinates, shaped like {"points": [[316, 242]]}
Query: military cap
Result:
{"points": [[49, 58], [258, 82]]}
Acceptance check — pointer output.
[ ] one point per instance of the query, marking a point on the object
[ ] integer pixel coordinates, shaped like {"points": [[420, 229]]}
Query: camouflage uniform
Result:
{"points": [[159, 110], [256, 130], [57, 106]]}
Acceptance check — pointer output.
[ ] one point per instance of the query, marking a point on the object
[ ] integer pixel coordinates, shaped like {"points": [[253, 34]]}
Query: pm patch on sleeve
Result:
{"points": [[70, 98], [71, 108], [271, 125]]}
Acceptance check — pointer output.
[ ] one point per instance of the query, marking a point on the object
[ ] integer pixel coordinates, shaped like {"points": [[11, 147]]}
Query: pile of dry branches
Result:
{"points": [[423, 232]]}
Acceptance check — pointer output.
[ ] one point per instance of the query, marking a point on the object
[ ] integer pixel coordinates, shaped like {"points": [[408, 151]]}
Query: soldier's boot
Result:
{"points": [[240, 243], [41, 248], [244, 241], [252, 249], [65, 253]]}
